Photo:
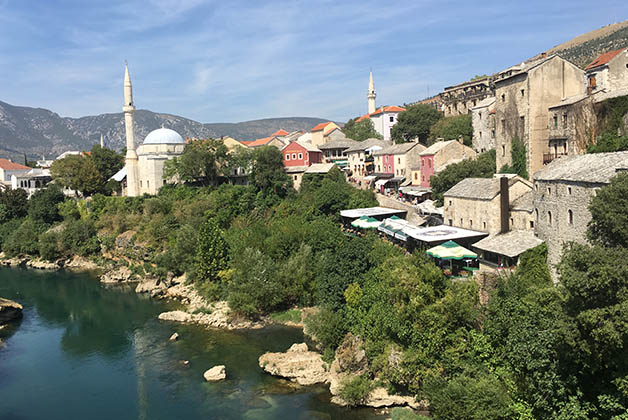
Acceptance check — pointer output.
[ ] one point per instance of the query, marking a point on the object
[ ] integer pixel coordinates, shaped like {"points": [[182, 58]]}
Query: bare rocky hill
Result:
{"points": [[38, 131]]}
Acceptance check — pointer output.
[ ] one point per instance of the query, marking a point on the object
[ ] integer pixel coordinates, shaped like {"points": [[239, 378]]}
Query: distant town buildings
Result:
{"points": [[9, 168], [440, 155], [608, 72], [461, 98], [383, 118]]}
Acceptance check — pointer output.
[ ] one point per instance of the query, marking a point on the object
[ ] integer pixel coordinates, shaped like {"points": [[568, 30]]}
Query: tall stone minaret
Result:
{"points": [[371, 94], [131, 163], [102, 141]]}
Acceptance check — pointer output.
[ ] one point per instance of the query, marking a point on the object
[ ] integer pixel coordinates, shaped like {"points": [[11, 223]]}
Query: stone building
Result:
{"points": [[608, 72], [461, 98], [441, 154], [335, 151], [476, 203], [523, 95], [483, 120], [144, 166], [360, 159], [562, 191]]}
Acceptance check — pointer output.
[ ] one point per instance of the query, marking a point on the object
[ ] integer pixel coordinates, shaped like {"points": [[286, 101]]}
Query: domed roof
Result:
{"points": [[163, 136]]}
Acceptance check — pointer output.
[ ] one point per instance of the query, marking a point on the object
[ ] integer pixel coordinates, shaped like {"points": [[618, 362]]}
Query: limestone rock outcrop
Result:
{"points": [[298, 364], [215, 374], [216, 315], [9, 311], [118, 275]]}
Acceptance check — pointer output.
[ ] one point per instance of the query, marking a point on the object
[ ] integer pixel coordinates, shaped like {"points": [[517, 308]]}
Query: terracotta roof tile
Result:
{"points": [[321, 126], [603, 59], [261, 142], [280, 132], [7, 165]]}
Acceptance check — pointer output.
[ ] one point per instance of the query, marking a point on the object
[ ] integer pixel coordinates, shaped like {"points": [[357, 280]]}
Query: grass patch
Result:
{"points": [[291, 315]]}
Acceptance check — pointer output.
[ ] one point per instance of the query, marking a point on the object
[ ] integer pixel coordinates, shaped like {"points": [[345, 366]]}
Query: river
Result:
{"points": [[84, 351]]}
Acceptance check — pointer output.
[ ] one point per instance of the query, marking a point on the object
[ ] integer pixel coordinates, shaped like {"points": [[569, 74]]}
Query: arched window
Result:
{"points": [[570, 217], [549, 217]]}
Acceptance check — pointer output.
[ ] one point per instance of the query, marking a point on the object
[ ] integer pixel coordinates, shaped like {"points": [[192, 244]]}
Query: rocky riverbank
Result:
{"points": [[306, 367], [9, 311]]}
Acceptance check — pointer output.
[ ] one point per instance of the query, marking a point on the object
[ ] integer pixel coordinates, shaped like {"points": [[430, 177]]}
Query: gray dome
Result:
{"points": [[163, 136]]}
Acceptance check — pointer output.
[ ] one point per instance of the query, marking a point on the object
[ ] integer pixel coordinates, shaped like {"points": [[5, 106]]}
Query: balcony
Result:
{"points": [[548, 157]]}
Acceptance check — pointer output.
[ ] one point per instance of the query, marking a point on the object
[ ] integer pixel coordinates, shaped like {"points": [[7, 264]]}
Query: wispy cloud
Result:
{"points": [[239, 60]]}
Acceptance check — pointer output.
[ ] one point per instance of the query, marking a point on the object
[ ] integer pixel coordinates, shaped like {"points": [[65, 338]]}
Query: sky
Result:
{"points": [[231, 61]]}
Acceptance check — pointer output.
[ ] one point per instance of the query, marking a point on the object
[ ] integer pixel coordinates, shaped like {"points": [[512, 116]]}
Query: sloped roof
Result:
{"points": [[525, 202], [485, 102], [399, 149], [7, 165], [338, 144], [593, 168], [261, 142], [321, 126], [480, 188], [308, 146], [570, 100], [280, 132], [319, 168], [363, 145], [603, 59], [510, 244], [437, 147], [381, 110]]}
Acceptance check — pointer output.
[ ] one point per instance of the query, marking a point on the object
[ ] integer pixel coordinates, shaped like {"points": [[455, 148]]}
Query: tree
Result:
{"points": [[15, 203], [361, 130], [211, 252], [482, 167], [44, 204], [267, 174], [451, 128], [609, 219], [415, 122], [66, 171], [202, 161], [84, 173], [108, 162]]}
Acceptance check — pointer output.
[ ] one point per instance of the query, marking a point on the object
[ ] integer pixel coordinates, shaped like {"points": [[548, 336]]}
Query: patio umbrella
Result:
{"points": [[358, 223], [450, 251], [371, 223]]}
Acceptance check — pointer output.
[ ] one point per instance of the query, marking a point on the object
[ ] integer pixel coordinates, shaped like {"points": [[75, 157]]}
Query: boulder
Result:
{"points": [[152, 286], [379, 397], [175, 316], [174, 337], [217, 373], [80, 263], [120, 274], [297, 364], [42, 265], [9, 311]]}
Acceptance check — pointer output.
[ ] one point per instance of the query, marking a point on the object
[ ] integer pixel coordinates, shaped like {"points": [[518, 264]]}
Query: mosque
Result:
{"points": [[144, 165]]}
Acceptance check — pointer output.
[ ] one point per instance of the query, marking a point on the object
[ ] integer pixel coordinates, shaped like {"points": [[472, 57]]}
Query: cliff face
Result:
{"points": [[37, 131]]}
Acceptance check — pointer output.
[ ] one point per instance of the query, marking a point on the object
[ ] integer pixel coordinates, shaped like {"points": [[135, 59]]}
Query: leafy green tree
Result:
{"points": [[609, 219], [519, 160], [24, 239], [44, 204], [415, 122], [361, 130], [202, 162], [15, 203], [66, 171], [108, 162], [451, 128], [90, 181], [211, 252], [267, 174], [481, 167]]}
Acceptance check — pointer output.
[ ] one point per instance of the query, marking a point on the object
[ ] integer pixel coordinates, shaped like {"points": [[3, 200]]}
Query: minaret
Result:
{"points": [[102, 141], [371, 94], [132, 189]]}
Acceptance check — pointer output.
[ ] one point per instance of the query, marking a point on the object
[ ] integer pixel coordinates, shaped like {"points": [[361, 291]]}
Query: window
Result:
{"points": [[300, 156], [147, 183], [450, 202], [503, 150], [392, 119], [294, 156], [451, 222], [503, 125], [287, 156], [523, 93], [480, 134], [503, 97], [555, 121], [565, 120], [492, 134], [569, 190], [531, 224], [429, 163], [295, 177], [536, 214], [570, 217], [484, 225], [416, 176], [470, 223], [140, 183], [549, 191], [522, 123], [480, 115], [423, 178], [549, 217], [512, 222]]}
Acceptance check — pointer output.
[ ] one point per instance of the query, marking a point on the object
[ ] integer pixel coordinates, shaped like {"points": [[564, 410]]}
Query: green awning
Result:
{"points": [[366, 222], [450, 251]]}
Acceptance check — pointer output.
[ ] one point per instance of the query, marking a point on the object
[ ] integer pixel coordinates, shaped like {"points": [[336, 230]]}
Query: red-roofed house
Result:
{"points": [[280, 133], [608, 72], [384, 118], [8, 168], [325, 132], [300, 154], [267, 141]]}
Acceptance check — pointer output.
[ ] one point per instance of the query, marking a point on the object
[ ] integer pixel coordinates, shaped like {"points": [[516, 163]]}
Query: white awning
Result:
{"points": [[370, 177], [381, 182]]}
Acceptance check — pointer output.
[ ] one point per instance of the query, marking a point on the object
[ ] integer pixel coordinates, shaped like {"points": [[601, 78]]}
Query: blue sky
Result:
{"points": [[238, 60]]}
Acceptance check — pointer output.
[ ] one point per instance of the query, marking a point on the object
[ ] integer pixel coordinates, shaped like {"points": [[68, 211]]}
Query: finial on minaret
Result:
{"points": [[371, 94]]}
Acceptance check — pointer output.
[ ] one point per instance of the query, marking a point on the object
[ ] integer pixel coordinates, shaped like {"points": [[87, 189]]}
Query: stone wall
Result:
{"points": [[618, 72], [559, 198], [483, 128]]}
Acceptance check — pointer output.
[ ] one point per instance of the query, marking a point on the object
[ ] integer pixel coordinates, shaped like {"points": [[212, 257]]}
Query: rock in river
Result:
{"points": [[9, 310], [217, 373], [303, 366]]}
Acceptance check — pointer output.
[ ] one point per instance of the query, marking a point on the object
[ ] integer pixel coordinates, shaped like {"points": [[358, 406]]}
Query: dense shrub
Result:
{"points": [[43, 204], [355, 390], [24, 239]]}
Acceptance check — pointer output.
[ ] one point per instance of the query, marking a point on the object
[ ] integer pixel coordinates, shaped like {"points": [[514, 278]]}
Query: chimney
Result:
{"points": [[504, 201]]}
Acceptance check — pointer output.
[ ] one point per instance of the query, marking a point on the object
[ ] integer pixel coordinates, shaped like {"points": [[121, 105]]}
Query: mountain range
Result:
{"points": [[37, 131]]}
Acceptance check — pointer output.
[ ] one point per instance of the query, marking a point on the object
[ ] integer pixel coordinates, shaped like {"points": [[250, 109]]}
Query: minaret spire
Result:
{"points": [[131, 163], [102, 141], [371, 94]]}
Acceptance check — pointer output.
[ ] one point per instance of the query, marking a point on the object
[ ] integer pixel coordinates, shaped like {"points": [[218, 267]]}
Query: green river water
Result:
{"points": [[84, 351]]}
